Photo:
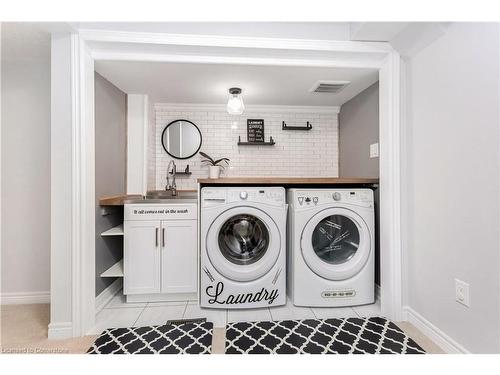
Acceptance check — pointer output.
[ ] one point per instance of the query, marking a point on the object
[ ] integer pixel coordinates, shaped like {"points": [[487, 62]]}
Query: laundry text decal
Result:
{"points": [[215, 292]]}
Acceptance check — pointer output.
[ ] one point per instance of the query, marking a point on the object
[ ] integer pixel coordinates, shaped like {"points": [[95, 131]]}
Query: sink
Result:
{"points": [[163, 194], [161, 201], [166, 197]]}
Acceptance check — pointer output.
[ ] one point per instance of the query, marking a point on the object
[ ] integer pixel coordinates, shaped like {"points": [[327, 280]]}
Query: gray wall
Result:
{"points": [[358, 128], [110, 169], [25, 85], [451, 182], [61, 311]]}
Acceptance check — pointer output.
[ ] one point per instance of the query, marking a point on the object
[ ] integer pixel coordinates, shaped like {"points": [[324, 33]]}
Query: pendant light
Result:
{"points": [[235, 104]]}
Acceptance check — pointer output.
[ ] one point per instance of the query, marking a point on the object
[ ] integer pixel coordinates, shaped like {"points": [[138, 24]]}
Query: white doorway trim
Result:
{"points": [[83, 188], [391, 260], [91, 45]]}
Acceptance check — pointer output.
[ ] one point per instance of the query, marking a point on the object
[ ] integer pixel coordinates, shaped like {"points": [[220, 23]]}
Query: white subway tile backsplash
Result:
{"points": [[296, 154]]}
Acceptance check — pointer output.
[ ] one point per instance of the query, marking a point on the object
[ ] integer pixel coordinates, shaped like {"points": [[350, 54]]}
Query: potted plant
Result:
{"points": [[214, 166]]}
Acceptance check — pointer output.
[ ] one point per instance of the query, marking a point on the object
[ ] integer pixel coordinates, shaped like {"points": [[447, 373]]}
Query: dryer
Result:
{"points": [[331, 246], [243, 247]]}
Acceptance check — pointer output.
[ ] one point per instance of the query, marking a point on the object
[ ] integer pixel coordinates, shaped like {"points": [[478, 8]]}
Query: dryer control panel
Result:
{"points": [[310, 197]]}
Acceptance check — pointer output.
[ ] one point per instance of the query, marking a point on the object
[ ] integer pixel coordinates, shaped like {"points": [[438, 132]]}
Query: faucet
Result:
{"points": [[173, 187]]}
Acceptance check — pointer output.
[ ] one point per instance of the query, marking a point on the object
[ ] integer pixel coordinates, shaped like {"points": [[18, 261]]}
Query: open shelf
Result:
{"points": [[115, 231], [270, 143], [186, 172], [286, 127], [116, 270]]}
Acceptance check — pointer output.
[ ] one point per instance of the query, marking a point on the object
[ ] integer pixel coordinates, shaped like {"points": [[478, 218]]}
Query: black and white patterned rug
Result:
{"points": [[187, 338], [313, 336]]}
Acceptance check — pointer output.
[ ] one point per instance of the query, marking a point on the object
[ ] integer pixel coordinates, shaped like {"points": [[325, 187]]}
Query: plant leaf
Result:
{"points": [[206, 156], [226, 160]]}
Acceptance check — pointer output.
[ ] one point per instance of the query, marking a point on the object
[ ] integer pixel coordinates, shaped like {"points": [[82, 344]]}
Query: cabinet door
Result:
{"points": [[179, 256], [142, 254]]}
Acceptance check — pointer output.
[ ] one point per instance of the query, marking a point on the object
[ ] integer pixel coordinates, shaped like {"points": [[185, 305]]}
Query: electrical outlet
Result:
{"points": [[374, 150], [462, 292]]}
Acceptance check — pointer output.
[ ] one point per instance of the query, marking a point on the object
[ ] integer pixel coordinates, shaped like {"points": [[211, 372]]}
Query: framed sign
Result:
{"points": [[255, 130]]}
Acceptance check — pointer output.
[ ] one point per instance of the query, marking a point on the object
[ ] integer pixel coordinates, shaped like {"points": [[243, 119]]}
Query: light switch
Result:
{"points": [[462, 292], [374, 150]]}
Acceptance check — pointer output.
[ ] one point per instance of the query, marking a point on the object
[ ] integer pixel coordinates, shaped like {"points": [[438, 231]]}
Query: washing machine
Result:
{"points": [[243, 247], [331, 246]]}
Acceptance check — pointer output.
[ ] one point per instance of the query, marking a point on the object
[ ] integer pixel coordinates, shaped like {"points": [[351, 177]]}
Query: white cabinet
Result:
{"points": [[142, 257], [160, 250], [179, 256]]}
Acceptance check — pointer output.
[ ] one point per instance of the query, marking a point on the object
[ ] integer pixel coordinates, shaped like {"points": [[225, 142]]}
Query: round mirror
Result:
{"points": [[181, 139]]}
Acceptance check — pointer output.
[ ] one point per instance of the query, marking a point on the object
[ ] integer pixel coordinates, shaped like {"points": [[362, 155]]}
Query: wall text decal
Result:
{"points": [[215, 292]]}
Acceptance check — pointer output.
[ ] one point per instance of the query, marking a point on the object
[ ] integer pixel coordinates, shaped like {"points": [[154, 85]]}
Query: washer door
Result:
{"points": [[336, 243], [243, 243]]}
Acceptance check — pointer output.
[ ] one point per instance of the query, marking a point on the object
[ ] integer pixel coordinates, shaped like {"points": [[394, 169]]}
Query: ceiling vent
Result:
{"points": [[329, 87]]}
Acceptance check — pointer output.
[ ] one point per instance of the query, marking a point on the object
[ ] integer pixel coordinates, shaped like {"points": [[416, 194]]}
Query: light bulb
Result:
{"points": [[235, 104]]}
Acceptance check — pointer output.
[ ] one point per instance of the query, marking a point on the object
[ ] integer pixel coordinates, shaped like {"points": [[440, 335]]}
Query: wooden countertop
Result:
{"points": [[117, 200], [287, 181]]}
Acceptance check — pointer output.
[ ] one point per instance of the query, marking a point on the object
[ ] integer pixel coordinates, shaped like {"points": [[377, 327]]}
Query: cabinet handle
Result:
{"points": [[156, 237], [163, 237]]}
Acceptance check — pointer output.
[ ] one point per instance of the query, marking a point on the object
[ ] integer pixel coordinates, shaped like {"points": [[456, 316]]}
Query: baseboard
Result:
{"points": [[24, 298], [107, 294], [431, 331], [58, 331]]}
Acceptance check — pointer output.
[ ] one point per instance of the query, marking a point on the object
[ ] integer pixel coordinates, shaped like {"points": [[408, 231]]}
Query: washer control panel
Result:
{"points": [[269, 195], [256, 195], [311, 198]]}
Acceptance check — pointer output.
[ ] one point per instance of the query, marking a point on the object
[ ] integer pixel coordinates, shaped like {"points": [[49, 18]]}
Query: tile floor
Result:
{"points": [[117, 313]]}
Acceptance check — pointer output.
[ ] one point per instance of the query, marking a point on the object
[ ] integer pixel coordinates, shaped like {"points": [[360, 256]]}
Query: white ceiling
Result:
{"points": [[209, 83], [376, 31]]}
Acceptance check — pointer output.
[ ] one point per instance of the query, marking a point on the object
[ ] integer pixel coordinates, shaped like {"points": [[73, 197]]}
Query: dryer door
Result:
{"points": [[336, 243], [243, 243]]}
